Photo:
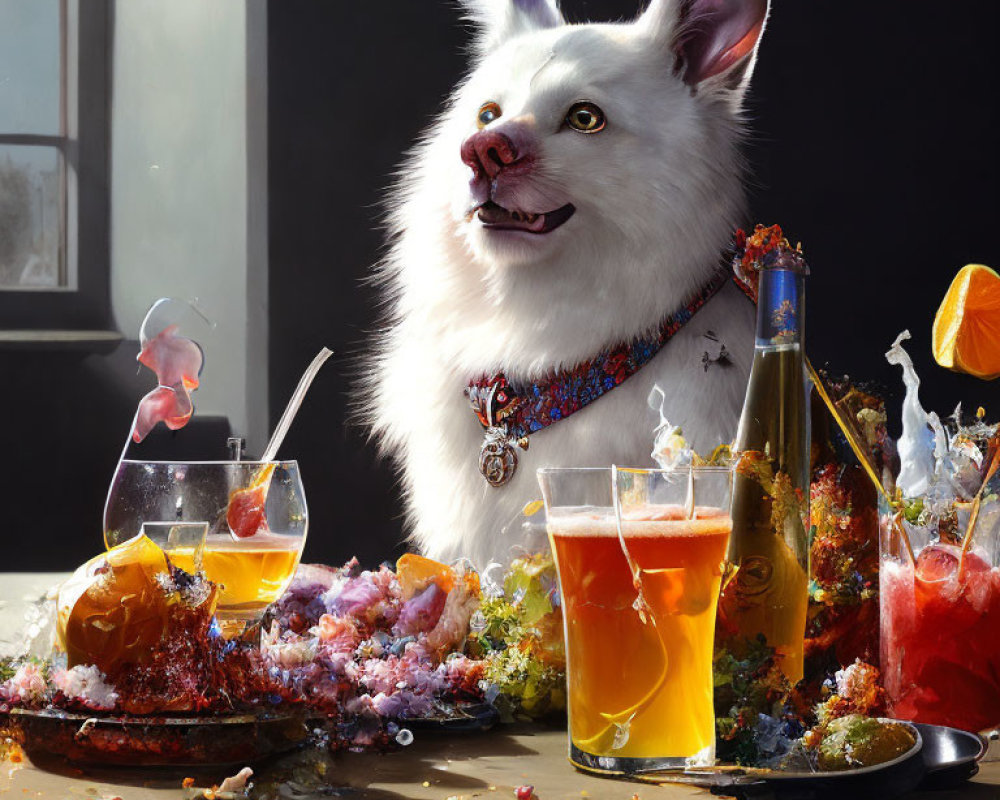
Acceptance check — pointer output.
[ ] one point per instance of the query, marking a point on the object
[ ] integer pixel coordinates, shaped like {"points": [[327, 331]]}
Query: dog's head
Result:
{"points": [[586, 162], [574, 128]]}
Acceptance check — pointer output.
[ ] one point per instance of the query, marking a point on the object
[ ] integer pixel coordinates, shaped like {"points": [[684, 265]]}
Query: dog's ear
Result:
{"points": [[497, 21], [713, 42]]}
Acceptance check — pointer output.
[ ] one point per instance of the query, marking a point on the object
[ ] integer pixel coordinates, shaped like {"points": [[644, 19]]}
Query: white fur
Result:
{"points": [[657, 196]]}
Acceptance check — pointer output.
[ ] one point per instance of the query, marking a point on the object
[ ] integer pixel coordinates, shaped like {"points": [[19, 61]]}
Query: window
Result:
{"points": [[54, 164]]}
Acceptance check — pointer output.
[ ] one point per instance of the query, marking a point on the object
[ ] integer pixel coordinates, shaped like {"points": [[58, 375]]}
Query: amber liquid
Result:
{"points": [[640, 688], [769, 547], [252, 573]]}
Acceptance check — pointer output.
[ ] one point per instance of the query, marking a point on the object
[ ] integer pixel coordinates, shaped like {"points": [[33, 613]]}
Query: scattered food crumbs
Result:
{"points": [[524, 792], [237, 782], [635, 796], [425, 784], [187, 783]]}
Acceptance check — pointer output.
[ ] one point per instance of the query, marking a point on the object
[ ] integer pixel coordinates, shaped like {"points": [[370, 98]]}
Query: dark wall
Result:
{"points": [[876, 146], [350, 87], [66, 417], [873, 142]]}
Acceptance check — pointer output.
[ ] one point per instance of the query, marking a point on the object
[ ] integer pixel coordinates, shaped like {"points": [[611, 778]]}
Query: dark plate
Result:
{"points": [[194, 741], [950, 756], [155, 741], [882, 781], [943, 758]]}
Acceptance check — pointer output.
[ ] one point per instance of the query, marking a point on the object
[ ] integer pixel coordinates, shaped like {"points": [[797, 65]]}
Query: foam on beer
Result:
{"points": [[654, 520]]}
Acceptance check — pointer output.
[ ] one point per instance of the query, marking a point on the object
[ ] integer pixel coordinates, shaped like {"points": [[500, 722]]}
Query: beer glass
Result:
{"points": [[640, 556]]}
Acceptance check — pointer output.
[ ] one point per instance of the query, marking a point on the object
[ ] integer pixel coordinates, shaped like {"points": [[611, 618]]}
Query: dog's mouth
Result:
{"points": [[496, 217]]}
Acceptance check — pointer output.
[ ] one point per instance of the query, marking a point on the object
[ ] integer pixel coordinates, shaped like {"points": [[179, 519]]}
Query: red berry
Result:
{"points": [[937, 562], [524, 792], [245, 513]]}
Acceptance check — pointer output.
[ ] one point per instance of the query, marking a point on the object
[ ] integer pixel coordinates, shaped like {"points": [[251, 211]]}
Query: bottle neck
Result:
{"points": [[780, 308]]}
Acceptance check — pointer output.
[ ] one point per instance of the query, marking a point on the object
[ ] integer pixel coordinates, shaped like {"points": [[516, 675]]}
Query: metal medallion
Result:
{"points": [[497, 457]]}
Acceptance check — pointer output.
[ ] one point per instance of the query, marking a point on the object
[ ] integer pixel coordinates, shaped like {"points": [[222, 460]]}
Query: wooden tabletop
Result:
{"points": [[437, 766]]}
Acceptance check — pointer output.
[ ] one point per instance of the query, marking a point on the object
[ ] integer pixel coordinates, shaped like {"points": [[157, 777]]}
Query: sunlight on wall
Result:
{"points": [[179, 181]]}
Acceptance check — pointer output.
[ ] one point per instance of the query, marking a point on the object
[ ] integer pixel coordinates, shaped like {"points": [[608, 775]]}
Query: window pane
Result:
{"points": [[30, 80], [30, 216]]}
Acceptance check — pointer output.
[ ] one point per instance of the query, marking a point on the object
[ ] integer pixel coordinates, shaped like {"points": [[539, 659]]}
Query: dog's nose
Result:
{"points": [[489, 153]]}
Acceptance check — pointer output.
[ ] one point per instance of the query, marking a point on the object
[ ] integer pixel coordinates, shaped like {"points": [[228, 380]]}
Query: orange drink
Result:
{"points": [[251, 573], [639, 590]]}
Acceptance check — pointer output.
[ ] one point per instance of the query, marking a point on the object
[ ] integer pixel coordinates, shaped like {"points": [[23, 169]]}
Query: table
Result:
{"points": [[437, 766]]}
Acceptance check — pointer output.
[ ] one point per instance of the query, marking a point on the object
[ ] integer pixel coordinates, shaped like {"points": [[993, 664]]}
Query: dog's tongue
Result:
{"points": [[492, 214]]}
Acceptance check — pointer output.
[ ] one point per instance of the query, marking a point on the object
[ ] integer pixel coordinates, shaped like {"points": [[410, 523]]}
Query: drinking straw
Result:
{"points": [[860, 451], [976, 503], [900, 529], [293, 405]]}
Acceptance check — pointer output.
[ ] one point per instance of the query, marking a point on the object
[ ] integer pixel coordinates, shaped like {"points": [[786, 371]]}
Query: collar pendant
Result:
{"points": [[497, 457]]}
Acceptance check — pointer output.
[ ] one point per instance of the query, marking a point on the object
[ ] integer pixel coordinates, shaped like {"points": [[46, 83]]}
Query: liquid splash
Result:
{"points": [[919, 443], [670, 450], [177, 362]]}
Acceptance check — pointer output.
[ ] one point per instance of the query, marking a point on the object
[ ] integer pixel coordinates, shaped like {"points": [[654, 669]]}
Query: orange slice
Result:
{"points": [[415, 573], [966, 334]]}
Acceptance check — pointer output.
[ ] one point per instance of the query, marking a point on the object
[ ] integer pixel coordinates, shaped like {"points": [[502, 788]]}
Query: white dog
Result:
{"points": [[582, 185]]}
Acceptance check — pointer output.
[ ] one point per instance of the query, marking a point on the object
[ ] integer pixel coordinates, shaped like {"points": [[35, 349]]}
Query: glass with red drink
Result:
{"points": [[940, 639]]}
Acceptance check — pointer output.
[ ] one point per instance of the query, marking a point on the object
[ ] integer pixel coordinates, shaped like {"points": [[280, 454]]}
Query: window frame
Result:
{"points": [[83, 304]]}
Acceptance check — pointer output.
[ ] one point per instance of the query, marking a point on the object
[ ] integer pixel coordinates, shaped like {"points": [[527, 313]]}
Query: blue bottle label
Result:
{"points": [[779, 320]]}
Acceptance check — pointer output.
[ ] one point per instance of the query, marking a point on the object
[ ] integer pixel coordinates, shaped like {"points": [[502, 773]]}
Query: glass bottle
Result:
{"points": [[769, 548]]}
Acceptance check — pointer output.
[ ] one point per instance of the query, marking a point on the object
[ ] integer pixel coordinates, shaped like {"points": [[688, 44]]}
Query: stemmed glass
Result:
{"points": [[243, 523]]}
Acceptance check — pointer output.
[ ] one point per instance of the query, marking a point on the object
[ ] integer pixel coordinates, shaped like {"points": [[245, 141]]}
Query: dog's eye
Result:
{"points": [[586, 118], [489, 112]]}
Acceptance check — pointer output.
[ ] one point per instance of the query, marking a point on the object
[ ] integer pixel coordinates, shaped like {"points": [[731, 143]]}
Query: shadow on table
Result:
{"points": [[428, 760], [312, 772], [967, 791]]}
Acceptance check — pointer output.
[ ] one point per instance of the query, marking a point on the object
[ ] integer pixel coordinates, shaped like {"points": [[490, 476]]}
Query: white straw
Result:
{"points": [[293, 405]]}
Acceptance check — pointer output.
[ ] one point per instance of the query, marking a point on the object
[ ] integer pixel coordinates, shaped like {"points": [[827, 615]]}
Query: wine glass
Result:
{"points": [[243, 523]]}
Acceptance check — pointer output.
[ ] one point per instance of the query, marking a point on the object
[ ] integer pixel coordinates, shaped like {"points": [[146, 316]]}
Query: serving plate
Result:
{"points": [[941, 758], [883, 781], [155, 741], [164, 741]]}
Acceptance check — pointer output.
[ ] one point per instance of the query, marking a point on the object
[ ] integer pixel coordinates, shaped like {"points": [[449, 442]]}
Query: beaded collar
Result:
{"points": [[510, 411]]}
